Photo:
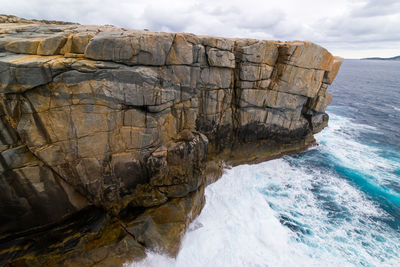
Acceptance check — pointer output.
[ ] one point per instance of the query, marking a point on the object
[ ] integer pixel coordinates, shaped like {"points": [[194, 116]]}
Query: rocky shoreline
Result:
{"points": [[109, 136]]}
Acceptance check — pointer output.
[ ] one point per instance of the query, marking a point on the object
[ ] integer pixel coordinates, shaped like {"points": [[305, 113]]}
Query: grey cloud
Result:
{"points": [[161, 19], [375, 8], [356, 29], [259, 20], [361, 23]]}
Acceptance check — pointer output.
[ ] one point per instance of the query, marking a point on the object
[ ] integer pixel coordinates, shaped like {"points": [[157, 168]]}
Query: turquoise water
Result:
{"points": [[336, 204]]}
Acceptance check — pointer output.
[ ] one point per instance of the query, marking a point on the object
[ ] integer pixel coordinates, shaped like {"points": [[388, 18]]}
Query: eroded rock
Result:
{"points": [[124, 120]]}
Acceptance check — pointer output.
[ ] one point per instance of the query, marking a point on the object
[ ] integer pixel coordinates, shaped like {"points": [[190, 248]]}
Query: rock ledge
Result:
{"points": [[108, 136]]}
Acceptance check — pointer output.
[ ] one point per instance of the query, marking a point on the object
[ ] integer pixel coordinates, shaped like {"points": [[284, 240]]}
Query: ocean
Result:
{"points": [[336, 204]]}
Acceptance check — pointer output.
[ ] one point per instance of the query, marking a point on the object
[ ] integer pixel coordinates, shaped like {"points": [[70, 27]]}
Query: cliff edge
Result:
{"points": [[108, 135]]}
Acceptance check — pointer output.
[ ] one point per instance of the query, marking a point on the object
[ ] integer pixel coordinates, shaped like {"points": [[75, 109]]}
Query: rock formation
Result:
{"points": [[108, 135]]}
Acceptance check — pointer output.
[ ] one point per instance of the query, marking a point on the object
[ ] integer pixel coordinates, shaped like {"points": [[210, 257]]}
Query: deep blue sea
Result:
{"points": [[337, 204]]}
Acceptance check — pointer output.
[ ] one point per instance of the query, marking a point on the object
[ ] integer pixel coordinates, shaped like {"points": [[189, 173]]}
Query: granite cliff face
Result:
{"points": [[127, 125]]}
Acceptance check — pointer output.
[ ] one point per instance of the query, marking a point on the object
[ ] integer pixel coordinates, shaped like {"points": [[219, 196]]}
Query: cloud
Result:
{"points": [[370, 25], [377, 8], [363, 29]]}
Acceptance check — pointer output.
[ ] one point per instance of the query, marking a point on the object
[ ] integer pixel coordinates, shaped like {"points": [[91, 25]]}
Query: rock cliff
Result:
{"points": [[108, 135]]}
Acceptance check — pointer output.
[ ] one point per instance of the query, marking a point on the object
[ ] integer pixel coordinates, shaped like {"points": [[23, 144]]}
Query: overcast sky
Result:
{"points": [[347, 28]]}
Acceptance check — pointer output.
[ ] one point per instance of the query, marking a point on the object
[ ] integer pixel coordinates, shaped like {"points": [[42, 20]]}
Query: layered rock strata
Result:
{"points": [[105, 118]]}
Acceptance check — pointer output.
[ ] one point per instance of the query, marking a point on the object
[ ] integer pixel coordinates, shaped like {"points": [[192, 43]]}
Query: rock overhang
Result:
{"points": [[117, 118]]}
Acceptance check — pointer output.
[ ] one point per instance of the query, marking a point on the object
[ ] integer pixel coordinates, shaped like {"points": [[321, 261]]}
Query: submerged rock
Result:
{"points": [[125, 121]]}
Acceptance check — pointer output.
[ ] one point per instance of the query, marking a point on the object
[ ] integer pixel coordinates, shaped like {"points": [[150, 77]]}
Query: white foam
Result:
{"points": [[396, 108], [237, 226], [339, 140]]}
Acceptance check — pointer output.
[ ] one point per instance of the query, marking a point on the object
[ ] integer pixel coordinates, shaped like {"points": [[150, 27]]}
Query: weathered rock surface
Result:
{"points": [[124, 120]]}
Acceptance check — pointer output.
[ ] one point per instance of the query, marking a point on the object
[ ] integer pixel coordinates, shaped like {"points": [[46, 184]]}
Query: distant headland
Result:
{"points": [[382, 58]]}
